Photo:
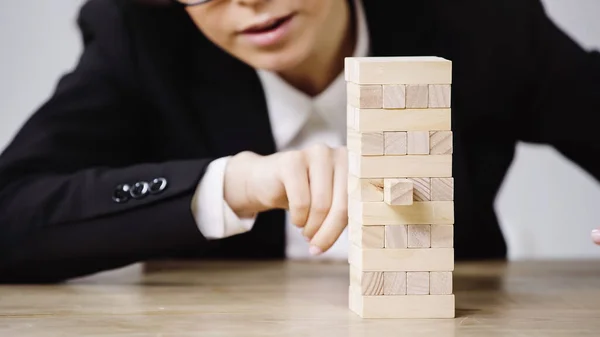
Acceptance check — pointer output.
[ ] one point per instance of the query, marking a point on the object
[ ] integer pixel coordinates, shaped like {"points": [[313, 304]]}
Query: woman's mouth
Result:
{"points": [[268, 32]]}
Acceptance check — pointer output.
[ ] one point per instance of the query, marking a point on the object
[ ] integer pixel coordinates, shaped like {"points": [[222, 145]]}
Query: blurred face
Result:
{"points": [[275, 35]]}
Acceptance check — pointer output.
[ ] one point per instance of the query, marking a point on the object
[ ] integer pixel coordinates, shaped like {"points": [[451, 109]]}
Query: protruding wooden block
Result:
{"points": [[440, 283], [442, 236], [417, 283], [365, 189], [439, 95], [440, 142], [442, 189], [419, 236], [394, 283], [419, 213], [417, 96], [365, 143], [401, 69], [417, 142], [395, 143], [397, 191], [403, 307], [365, 96], [427, 259], [409, 166], [402, 120], [396, 236], [421, 189], [394, 96]]}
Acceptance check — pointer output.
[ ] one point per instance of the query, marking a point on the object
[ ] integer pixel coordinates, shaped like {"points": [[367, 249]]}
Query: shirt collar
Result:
{"points": [[289, 108]]}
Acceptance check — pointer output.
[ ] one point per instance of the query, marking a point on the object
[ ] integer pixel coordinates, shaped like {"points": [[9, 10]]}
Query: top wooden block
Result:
{"points": [[398, 70]]}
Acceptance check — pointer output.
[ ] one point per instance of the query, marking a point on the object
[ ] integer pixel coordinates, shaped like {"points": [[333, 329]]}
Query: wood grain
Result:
{"points": [[394, 96], [419, 213], [419, 236], [440, 142], [395, 143], [396, 236], [417, 96], [365, 96], [394, 283], [365, 189], [409, 166], [417, 142], [440, 95], [421, 189], [397, 191], [440, 283], [367, 120], [417, 283], [442, 236], [429, 259], [442, 189], [365, 143]]}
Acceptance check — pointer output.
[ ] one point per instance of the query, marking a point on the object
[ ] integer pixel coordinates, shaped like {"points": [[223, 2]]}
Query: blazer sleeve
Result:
{"points": [[59, 212], [563, 87]]}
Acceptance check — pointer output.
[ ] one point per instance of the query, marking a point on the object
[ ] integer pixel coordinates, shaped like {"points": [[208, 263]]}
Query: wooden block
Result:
{"points": [[440, 283], [421, 189], [417, 283], [350, 117], [365, 143], [419, 213], [409, 166], [398, 70], [365, 96], [365, 189], [442, 189], [429, 259], [372, 236], [440, 142], [370, 283], [394, 96], [396, 236], [417, 142], [394, 143], [419, 236], [397, 191], [417, 96], [394, 283], [367, 120], [442, 236], [439, 95], [402, 307]]}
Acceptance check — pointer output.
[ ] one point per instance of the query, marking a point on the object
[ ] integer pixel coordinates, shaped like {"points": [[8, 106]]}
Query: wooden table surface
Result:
{"points": [[300, 299]]}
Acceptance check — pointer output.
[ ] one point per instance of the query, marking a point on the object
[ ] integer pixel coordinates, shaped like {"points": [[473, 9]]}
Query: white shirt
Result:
{"points": [[298, 121]]}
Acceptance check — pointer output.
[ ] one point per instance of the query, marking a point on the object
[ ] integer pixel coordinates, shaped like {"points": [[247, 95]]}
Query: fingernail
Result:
{"points": [[596, 236], [314, 250]]}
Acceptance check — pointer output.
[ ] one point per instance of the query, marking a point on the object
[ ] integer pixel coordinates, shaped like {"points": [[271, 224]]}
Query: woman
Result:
{"points": [[216, 128]]}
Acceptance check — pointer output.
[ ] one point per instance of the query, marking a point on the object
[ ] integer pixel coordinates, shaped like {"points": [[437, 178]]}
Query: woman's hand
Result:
{"points": [[596, 236], [311, 184]]}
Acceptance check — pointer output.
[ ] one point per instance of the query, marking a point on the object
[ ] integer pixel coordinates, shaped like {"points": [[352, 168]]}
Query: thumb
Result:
{"points": [[596, 236]]}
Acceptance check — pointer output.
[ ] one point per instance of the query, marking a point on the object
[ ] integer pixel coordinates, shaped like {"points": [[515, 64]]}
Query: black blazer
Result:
{"points": [[152, 98]]}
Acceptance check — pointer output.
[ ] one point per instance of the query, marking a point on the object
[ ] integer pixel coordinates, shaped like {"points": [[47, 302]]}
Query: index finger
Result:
{"points": [[337, 218]]}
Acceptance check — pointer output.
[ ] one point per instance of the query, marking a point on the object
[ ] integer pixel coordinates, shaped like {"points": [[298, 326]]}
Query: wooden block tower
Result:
{"points": [[400, 187]]}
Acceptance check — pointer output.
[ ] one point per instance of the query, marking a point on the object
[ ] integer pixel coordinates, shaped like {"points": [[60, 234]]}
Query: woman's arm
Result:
{"points": [[58, 177]]}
